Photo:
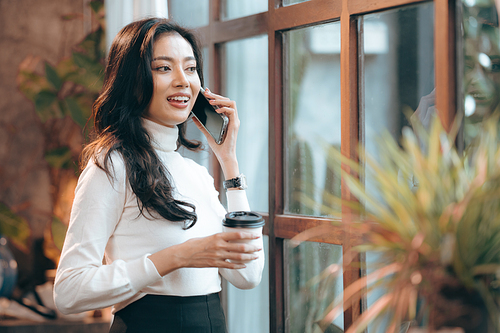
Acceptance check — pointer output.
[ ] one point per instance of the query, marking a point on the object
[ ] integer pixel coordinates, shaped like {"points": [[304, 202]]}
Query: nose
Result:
{"points": [[180, 79], [475, 75]]}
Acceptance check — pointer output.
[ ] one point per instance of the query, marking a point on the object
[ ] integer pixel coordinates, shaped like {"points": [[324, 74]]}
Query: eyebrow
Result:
{"points": [[172, 59]]}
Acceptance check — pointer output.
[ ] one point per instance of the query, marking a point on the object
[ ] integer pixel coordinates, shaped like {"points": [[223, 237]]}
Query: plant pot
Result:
{"points": [[456, 306]]}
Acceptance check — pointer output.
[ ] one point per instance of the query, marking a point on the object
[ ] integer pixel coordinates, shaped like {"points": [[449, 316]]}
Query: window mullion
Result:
{"points": [[276, 166], [350, 135], [445, 60]]}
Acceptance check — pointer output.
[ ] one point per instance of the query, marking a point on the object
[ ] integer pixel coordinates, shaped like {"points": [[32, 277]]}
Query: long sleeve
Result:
{"points": [[82, 281], [107, 223]]}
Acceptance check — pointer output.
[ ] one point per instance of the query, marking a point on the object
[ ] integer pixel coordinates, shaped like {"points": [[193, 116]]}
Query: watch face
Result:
{"points": [[243, 182]]}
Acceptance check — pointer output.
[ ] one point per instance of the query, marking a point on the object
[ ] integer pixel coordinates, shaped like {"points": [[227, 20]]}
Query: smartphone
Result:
{"points": [[214, 123]]}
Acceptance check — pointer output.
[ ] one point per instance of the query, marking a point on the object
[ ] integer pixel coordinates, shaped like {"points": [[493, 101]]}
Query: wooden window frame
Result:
{"points": [[274, 22]]}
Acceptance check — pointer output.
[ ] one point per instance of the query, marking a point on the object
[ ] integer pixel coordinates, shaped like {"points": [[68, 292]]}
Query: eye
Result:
{"points": [[495, 64], [191, 69], [162, 69], [469, 63]]}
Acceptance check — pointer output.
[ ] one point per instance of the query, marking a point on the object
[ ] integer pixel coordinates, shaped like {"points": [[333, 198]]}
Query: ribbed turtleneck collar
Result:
{"points": [[162, 137]]}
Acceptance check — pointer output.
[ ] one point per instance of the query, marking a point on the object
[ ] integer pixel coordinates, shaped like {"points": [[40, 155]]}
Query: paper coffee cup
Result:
{"points": [[250, 222]]}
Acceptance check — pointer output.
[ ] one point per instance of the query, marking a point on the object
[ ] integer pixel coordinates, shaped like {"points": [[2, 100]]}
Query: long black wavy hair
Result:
{"points": [[117, 112]]}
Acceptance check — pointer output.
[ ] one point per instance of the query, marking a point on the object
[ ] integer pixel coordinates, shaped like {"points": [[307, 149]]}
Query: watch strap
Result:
{"points": [[238, 182]]}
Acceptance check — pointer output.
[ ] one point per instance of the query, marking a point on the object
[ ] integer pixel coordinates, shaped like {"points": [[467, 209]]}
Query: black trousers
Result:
{"points": [[171, 314]]}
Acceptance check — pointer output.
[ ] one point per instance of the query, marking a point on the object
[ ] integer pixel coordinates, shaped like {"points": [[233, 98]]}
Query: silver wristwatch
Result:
{"points": [[239, 182]]}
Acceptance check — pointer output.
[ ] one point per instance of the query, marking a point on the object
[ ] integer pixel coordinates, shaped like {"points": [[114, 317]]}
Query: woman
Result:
{"points": [[154, 214]]}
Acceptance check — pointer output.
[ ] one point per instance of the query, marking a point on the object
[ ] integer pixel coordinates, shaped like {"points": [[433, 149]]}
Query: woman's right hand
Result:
{"points": [[212, 251]]}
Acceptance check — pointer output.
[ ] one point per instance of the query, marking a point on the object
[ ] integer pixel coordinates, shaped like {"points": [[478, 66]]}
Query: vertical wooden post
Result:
{"points": [[276, 150], [350, 134], [445, 60]]}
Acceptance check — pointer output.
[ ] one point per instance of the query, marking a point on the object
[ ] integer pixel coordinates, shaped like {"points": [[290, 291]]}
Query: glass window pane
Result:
{"points": [[397, 69], [232, 9], [480, 59], [246, 82], [189, 13], [309, 295], [291, 2], [206, 67], [312, 102], [248, 310]]}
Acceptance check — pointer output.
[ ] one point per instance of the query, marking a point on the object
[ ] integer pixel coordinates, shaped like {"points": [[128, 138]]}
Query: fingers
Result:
{"points": [[211, 95], [242, 246], [240, 242], [223, 104], [218, 251], [226, 107], [231, 236], [235, 258]]}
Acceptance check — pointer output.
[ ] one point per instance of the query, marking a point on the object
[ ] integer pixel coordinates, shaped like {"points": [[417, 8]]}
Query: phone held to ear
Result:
{"points": [[214, 123]]}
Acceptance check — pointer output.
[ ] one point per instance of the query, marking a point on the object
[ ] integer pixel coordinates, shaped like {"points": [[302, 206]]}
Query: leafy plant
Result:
{"points": [[434, 218], [69, 88], [63, 96], [14, 227]]}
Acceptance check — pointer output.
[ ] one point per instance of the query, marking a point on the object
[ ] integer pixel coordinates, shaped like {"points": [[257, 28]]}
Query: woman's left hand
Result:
{"points": [[225, 152]]}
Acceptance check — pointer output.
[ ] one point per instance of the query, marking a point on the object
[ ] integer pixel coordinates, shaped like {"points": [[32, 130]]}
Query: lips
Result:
{"points": [[481, 98], [179, 100]]}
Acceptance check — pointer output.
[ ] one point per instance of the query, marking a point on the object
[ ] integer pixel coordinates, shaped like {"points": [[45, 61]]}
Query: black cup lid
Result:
{"points": [[243, 220]]}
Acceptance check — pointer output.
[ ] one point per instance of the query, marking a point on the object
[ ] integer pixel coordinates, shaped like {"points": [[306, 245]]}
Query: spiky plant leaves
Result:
{"points": [[431, 211]]}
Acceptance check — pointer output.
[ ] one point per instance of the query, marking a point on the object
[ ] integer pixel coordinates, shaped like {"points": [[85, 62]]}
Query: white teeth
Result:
{"points": [[179, 98]]}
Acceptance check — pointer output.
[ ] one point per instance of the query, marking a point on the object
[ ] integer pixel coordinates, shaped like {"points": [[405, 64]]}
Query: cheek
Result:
{"points": [[196, 83], [155, 87], [494, 77]]}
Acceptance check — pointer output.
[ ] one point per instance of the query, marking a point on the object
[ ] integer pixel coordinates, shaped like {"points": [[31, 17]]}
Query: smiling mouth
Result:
{"points": [[482, 98], [178, 99]]}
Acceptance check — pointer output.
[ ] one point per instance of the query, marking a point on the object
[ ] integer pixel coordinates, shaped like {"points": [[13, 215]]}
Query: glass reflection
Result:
{"points": [[313, 111], [397, 70], [481, 59], [315, 281], [397, 76]]}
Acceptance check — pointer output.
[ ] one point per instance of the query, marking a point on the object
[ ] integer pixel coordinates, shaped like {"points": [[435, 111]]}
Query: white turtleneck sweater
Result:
{"points": [[105, 219]]}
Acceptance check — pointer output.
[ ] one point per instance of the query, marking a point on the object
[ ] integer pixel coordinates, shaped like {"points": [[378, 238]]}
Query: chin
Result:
{"points": [[181, 120]]}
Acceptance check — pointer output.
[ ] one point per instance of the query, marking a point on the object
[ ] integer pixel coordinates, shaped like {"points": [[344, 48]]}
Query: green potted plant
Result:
{"points": [[434, 220]]}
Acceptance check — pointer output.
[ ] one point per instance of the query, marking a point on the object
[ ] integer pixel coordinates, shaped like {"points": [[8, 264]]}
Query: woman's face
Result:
{"points": [[482, 79], [482, 61], [176, 81]]}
